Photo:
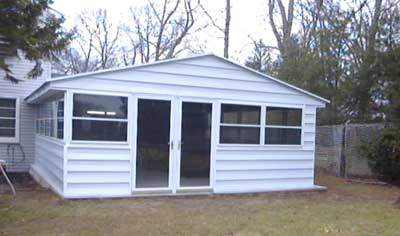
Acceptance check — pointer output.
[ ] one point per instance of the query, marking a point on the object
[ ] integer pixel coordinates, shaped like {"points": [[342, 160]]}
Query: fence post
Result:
{"points": [[342, 163]]}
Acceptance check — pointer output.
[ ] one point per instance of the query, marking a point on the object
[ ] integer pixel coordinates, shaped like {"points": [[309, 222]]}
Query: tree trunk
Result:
{"points": [[226, 30], [282, 33], [366, 76]]}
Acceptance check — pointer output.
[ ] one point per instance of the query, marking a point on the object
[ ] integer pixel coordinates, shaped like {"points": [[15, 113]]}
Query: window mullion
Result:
{"points": [[241, 125], [283, 127], [99, 119], [263, 121]]}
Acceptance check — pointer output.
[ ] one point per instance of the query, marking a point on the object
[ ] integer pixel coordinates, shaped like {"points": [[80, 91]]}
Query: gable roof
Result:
{"points": [[176, 60]]}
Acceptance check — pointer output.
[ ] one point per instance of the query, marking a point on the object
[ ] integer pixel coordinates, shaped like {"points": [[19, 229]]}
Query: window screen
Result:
{"points": [[99, 118], [8, 118], [283, 126], [240, 124]]}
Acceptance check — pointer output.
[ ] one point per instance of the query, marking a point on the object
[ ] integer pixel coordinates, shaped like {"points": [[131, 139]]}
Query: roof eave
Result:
{"points": [[276, 80], [321, 99], [43, 93]]}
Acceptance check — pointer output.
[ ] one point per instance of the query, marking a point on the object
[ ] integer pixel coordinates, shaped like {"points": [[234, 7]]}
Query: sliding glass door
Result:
{"points": [[173, 144], [195, 145], [153, 139]]}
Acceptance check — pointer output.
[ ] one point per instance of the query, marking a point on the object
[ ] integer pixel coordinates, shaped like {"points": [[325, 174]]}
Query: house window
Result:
{"points": [[50, 119], [9, 120], [240, 124], [283, 126], [99, 118]]}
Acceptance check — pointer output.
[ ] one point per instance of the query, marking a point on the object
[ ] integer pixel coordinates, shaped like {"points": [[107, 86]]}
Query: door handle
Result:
{"points": [[171, 144]]}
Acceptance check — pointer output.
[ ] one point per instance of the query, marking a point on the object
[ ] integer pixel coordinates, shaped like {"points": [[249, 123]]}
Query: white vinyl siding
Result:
{"points": [[97, 171], [49, 162], [20, 155]]}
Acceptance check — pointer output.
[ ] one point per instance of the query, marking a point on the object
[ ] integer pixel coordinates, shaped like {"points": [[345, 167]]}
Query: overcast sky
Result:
{"points": [[248, 21]]}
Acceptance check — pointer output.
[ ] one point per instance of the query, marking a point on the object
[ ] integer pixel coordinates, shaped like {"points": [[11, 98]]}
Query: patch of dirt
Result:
{"points": [[21, 182]]}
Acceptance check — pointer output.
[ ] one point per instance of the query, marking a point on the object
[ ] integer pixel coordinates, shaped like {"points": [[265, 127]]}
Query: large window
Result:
{"points": [[283, 126], [240, 124], [99, 118], [8, 120], [50, 119]]}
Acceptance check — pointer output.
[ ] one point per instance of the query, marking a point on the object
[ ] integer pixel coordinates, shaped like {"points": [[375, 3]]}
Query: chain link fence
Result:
{"points": [[338, 148]]}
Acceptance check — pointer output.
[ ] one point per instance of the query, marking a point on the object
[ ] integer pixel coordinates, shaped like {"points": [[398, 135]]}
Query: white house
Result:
{"points": [[194, 125], [17, 136]]}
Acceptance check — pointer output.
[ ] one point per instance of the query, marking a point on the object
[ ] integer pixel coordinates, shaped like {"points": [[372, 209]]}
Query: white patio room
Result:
{"points": [[195, 125]]}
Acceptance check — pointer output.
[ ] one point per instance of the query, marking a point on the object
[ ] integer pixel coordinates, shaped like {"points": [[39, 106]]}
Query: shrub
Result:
{"points": [[384, 155]]}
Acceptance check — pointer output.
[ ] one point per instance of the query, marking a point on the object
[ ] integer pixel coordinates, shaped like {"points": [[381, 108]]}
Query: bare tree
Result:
{"points": [[310, 14], [226, 29], [364, 48], [106, 40], [283, 33], [95, 46], [159, 30]]}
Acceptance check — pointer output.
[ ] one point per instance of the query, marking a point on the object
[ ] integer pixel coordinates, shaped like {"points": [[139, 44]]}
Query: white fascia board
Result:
{"points": [[37, 93]]}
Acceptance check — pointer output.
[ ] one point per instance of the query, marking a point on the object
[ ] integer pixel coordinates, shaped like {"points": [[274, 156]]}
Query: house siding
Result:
{"points": [[265, 168], [97, 170], [49, 162], [16, 161]]}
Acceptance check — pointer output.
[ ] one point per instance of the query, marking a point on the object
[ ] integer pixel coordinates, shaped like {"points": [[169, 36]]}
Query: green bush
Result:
{"points": [[384, 155]]}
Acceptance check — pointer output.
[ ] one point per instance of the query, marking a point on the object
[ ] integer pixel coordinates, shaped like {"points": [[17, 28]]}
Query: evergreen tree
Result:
{"points": [[31, 27], [261, 59]]}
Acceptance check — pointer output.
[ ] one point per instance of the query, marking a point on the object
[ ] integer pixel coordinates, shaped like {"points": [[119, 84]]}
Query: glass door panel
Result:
{"points": [[195, 145], [153, 149]]}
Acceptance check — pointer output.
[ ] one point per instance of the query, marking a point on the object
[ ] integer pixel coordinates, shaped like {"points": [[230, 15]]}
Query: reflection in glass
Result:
{"points": [[152, 162], [8, 102], [60, 119], [240, 114], [99, 130], [282, 136], [100, 106], [242, 135], [7, 117], [196, 144], [109, 108], [283, 116]]}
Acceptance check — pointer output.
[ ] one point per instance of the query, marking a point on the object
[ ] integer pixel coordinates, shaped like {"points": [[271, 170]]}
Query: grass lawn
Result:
{"points": [[345, 209]]}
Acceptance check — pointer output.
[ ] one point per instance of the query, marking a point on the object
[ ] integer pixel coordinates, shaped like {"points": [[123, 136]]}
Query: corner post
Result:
{"points": [[68, 96]]}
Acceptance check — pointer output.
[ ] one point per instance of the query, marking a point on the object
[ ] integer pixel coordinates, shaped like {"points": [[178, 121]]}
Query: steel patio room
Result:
{"points": [[195, 125]]}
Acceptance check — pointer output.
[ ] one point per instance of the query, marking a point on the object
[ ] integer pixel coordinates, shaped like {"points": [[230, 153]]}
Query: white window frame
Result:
{"points": [[99, 119], [57, 119], [300, 127], [241, 125], [14, 139], [40, 123], [263, 121]]}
